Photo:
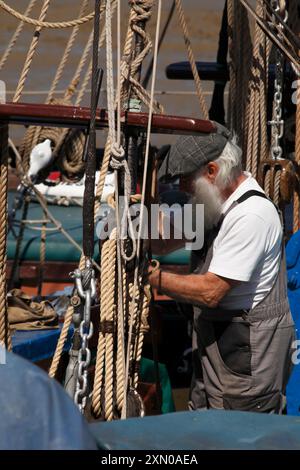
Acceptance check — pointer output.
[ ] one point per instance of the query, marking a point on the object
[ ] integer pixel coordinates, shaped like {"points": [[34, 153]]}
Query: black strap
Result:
{"points": [[215, 230], [251, 193], [243, 198]]}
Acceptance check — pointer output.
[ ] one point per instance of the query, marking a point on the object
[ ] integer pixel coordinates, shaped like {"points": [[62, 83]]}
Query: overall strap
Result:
{"points": [[250, 193], [243, 198]]}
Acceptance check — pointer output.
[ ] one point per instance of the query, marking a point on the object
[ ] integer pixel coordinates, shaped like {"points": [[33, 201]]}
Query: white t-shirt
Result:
{"points": [[248, 247]]}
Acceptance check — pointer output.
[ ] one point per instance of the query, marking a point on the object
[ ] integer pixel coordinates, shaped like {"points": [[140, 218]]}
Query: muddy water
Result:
{"points": [[203, 18]]}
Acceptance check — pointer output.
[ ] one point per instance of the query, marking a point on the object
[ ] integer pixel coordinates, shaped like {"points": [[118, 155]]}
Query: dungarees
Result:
{"points": [[242, 358]]}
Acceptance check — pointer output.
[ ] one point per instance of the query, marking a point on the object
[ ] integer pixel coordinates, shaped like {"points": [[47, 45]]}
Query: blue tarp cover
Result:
{"points": [[200, 430], [36, 345], [36, 413], [293, 274]]}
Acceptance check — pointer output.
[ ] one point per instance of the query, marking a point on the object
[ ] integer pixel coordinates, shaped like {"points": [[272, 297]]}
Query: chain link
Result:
{"points": [[277, 123], [87, 293]]}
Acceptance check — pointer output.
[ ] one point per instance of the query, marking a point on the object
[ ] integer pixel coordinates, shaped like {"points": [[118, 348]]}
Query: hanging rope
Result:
{"points": [[144, 328], [297, 159], [5, 338], [132, 305], [256, 138], [66, 55], [40, 23], [30, 53], [294, 22], [240, 55], [69, 314], [191, 57], [131, 63], [15, 36]]}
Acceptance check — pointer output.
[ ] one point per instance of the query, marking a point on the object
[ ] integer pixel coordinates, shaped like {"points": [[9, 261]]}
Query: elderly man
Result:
{"points": [[243, 329]]}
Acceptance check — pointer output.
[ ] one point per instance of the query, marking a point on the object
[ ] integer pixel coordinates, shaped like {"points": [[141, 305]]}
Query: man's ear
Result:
{"points": [[212, 171]]}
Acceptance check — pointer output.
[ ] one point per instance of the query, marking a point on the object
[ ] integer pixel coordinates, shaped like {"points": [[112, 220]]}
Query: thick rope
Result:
{"points": [[277, 179], [257, 125], [240, 54], [61, 342], [146, 159], [30, 53], [99, 191], [191, 57], [134, 310], [105, 341], [66, 54], [144, 328], [40, 23], [109, 346], [117, 161], [122, 307], [294, 22], [140, 11], [232, 73], [15, 36], [267, 183], [5, 338]]}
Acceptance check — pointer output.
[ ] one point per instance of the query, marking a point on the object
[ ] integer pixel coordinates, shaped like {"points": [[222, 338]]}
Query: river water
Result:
{"points": [[203, 19]]}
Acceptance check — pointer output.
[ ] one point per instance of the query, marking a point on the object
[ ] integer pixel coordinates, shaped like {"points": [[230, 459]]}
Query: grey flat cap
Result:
{"points": [[191, 152]]}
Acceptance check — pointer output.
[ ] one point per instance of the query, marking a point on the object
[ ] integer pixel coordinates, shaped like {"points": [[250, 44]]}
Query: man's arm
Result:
{"points": [[204, 289]]}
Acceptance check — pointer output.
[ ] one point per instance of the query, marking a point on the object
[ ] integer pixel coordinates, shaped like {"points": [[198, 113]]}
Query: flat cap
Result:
{"points": [[191, 152]]}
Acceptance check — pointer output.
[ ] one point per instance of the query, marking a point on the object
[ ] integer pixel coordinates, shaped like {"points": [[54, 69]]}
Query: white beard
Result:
{"points": [[208, 194]]}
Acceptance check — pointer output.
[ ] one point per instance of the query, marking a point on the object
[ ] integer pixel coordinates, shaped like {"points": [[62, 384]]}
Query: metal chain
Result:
{"points": [[277, 123], [87, 292]]}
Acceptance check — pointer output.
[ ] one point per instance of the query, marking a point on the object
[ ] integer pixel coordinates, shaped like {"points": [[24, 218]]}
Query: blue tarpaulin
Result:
{"points": [[35, 411], [293, 273], [36, 345], [201, 430]]}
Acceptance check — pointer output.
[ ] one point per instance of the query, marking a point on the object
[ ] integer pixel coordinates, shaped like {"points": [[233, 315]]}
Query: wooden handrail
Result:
{"points": [[72, 116]]}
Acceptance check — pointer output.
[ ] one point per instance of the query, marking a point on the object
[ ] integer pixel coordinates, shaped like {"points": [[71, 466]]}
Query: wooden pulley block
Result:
{"points": [[288, 177]]}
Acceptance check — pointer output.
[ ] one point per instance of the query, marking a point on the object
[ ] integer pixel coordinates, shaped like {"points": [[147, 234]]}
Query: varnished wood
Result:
{"points": [[72, 116]]}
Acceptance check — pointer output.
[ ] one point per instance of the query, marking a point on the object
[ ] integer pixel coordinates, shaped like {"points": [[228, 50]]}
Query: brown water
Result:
{"points": [[203, 18]]}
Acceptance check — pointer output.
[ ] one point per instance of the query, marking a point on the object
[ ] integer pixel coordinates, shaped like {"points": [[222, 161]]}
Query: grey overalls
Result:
{"points": [[242, 359]]}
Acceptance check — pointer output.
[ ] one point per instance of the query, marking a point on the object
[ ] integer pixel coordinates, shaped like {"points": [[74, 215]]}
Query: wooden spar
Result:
{"points": [[72, 116]]}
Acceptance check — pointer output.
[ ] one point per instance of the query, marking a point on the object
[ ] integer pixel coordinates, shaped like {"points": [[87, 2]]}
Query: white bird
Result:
{"points": [[39, 158]]}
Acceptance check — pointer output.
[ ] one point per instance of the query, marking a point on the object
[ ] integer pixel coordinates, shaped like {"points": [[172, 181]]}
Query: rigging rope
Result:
{"points": [[40, 23], [15, 36], [132, 306], [68, 143], [30, 53], [99, 191], [191, 57], [256, 140], [5, 337]]}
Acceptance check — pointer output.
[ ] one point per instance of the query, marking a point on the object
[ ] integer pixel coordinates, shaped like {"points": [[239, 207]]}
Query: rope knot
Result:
{"points": [[117, 150]]}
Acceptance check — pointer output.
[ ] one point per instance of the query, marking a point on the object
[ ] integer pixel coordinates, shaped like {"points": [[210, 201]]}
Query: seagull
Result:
{"points": [[39, 158]]}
